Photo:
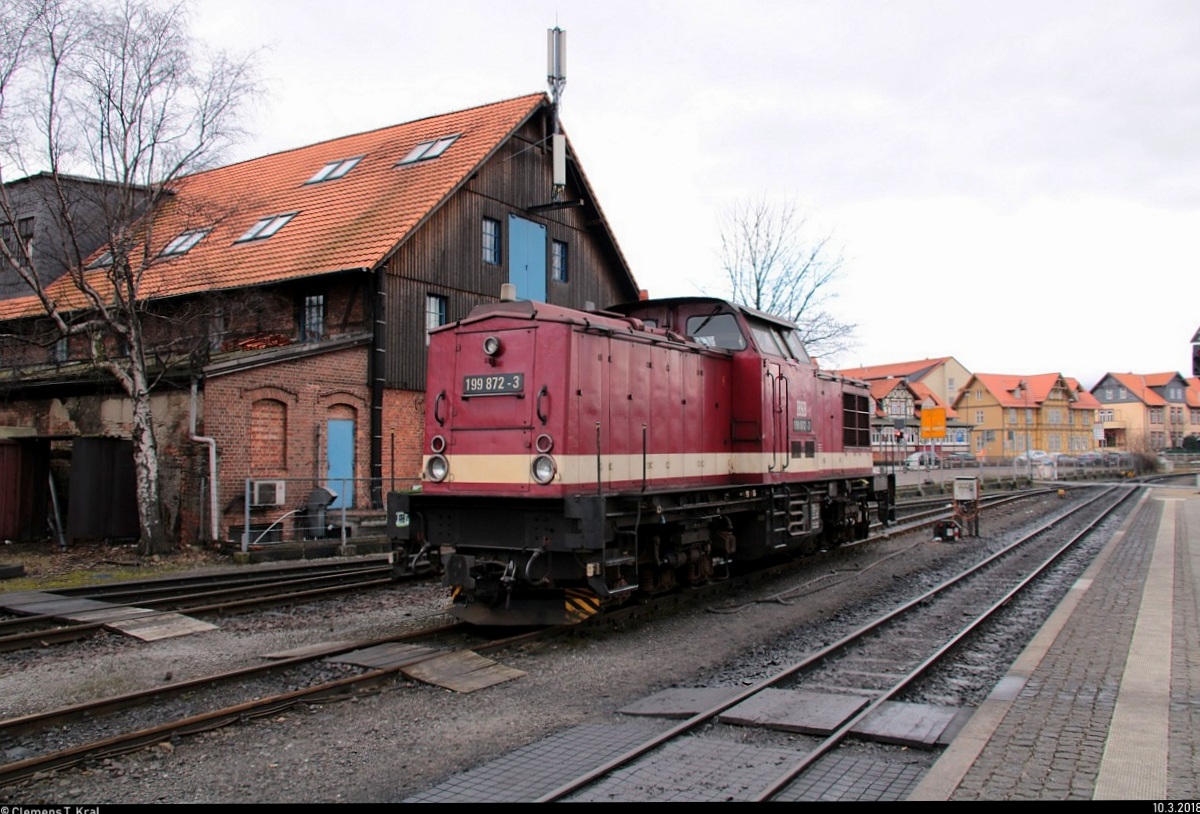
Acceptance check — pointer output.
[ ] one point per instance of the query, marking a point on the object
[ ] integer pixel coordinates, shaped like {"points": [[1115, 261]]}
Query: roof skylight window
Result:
{"points": [[428, 149], [184, 242], [266, 227], [334, 169]]}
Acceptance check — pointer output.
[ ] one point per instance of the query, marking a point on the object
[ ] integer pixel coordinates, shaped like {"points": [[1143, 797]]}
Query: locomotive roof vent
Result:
{"points": [[508, 292]]}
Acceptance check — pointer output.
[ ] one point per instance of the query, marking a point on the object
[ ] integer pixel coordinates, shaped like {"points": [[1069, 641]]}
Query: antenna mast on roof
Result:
{"points": [[556, 75]]}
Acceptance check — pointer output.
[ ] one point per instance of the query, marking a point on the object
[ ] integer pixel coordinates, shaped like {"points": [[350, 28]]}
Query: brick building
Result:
{"points": [[289, 303]]}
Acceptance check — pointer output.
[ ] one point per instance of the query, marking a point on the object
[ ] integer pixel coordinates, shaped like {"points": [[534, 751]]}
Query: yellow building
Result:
{"points": [[1013, 414]]}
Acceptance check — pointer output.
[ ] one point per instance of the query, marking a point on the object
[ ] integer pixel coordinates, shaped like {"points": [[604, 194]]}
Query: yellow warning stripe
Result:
{"points": [[579, 605]]}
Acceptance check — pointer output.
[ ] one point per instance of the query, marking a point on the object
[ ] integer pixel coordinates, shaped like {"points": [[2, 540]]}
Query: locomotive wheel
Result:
{"points": [[700, 571]]}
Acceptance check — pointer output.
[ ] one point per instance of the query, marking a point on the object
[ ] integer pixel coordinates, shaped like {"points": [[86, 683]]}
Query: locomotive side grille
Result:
{"points": [[856, 420]]}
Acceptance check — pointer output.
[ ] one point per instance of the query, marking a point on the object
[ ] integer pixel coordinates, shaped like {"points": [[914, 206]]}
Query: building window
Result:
{"points": [[558, 261], [428, 149], [266, 227], [19, 241], [334, 169], [58, 352], [491, 241], [312, 320], [184, 242], [979, 416], [435, 313], [216, 330]]}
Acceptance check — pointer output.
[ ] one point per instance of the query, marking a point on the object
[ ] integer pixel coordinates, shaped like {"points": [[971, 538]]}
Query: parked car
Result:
{"points": [[1037, 456], [960, 459], [1121, 459], [1090, 459], [1063, 459], [922, 460]]}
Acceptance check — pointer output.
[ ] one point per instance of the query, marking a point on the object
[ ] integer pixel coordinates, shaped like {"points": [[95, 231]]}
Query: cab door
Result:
{"points": [[777, 390]]}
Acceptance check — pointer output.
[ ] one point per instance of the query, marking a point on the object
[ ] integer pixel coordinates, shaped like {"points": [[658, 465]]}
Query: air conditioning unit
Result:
{"points": [[267, 493]]}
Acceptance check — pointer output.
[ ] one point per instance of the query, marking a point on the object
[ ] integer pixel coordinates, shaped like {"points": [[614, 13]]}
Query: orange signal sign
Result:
{"points": [[933, 422]]}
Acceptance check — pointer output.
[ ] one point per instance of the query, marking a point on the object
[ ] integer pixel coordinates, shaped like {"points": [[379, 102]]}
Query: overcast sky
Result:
{"points": [[1015, 184]]}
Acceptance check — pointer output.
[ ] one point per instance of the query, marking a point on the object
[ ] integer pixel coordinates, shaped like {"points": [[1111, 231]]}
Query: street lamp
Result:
{"points": [[1022, 390]]}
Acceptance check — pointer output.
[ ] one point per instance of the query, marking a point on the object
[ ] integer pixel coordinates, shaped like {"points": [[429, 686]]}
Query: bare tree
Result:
{"points": [[121, 93], [772, 265]]}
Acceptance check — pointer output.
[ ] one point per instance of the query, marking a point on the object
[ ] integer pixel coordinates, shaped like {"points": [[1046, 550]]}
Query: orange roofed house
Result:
{"points": [[1012, 414], [1147, 412], [304, 284]]}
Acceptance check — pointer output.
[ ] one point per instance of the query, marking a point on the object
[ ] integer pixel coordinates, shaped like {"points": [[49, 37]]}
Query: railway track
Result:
{"points": [[234, 592], [212, 595], [881, 662], [71, 735], [124, 723]]}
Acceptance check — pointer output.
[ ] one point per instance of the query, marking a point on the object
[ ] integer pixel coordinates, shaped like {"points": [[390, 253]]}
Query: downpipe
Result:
{"points": [[212, 466]]}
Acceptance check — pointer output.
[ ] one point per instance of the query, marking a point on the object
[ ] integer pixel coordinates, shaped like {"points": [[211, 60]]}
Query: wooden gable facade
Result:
{"points": [[445, 256]]}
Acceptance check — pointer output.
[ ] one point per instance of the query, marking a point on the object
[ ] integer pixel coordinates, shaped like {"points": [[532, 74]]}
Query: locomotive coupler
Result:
{"points": [[507, 579]]}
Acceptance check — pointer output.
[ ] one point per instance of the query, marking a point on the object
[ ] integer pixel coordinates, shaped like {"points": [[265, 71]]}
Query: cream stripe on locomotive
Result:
{"points": [[581, 469]]}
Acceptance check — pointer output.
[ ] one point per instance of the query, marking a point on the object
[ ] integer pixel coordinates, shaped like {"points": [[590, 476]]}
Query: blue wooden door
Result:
{"points": [[339, 457], [527, 258]]}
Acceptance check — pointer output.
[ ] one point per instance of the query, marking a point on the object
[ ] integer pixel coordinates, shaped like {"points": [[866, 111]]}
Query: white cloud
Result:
{"points": [[1015, 185]]}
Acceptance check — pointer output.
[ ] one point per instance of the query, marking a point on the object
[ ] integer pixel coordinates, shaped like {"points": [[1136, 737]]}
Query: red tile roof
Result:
{"points": [[353, 222], [882, 388], [897, 370], [1083, 399], [1003, 385], [1139, 386]]}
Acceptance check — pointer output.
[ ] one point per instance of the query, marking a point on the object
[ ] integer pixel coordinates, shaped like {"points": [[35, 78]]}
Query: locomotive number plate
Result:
{"points": [[493, 384]]}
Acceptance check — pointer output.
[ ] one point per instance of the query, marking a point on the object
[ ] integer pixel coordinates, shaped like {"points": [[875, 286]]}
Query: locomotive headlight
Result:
{"points": [[437, 468], [437, 443], [491, 346], [543, 469]]}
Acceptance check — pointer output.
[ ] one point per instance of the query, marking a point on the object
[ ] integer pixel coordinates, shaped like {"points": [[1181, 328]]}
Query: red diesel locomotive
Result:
{"points": [[576, 460]]}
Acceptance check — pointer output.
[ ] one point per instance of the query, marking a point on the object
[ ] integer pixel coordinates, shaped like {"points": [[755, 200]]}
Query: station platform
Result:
{"points": [[1104, 704]]}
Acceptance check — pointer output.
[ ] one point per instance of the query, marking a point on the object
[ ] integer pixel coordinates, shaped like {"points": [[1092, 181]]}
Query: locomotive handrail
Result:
{"points": [[774, 420], [543, 393], [785, 397], [437, 402]]}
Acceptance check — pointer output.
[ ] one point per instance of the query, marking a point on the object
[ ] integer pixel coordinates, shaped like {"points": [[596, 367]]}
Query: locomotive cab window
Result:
{"points": [[767, 340], [716, 331], [792, 340]]}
